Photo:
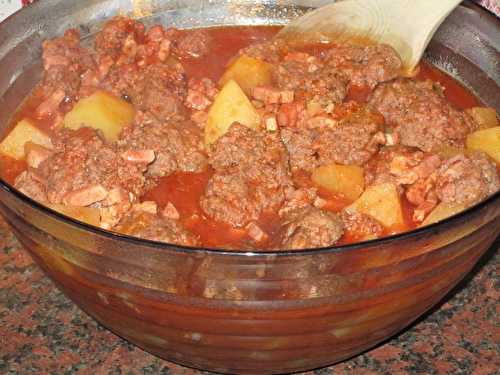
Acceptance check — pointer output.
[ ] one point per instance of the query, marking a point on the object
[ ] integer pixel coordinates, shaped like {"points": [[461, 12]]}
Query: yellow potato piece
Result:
{"points": [[442, 211], [382, 203], [23, 132], [231, 105], [486, 140], [86, 215], [485, 117], [248, 72], [347, 180], [101, 111]]}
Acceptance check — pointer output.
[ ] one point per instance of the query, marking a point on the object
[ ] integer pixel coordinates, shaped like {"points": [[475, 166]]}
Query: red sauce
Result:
{"points": [[457, 94], [226, 42], [11, 168], [185, 189]]}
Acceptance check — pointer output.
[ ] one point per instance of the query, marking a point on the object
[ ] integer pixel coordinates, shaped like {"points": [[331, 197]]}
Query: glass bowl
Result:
{"points": [[246, 312]]}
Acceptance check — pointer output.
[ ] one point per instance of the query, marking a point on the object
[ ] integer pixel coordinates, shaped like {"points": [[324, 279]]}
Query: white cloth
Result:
{"points": [[7, 7]]}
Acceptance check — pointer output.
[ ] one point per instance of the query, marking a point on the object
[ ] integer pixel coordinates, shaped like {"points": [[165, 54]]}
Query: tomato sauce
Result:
{"points": [[226, 42], [184, 190]]}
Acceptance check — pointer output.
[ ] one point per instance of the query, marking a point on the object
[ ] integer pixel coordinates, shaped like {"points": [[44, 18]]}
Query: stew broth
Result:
{"points": [[184, 190]]}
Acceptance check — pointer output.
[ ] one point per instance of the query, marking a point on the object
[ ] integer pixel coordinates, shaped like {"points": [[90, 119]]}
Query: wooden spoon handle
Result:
{"points": [[406, 25]]}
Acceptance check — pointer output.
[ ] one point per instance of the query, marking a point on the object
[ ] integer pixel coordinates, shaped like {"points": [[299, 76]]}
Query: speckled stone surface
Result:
{"points": [[42, 332]]}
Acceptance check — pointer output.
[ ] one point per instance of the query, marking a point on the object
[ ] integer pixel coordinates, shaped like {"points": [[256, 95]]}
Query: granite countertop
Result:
{"points": [[42, 332]]}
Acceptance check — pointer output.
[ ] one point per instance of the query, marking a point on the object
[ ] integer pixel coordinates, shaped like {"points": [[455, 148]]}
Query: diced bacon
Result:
{"points": [[320, 202], [420, 213], [51, 104], [86, 196], [36, 154], [271, 95], [116, 196], [164, 50], [270, 122], [170, 212], [116, 205], [321, 122], [301, 57], [392, 138], [139, 156], [428, 166], [287, 96], [256, 233], [147, 206], [288, 115], [196, 100]]}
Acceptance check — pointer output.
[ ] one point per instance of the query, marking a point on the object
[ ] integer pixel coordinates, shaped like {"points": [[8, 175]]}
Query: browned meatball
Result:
{"points": [[361, 227], [156, 228], [365, 66], [111, 39], [311, 80], [421, 115], [65, 62], [83, 159], [299, 143], [177, 145], [190, 43], [310, 227], [159, 88], [353, 140], [467, 179], [251, 175], [270, 51]]}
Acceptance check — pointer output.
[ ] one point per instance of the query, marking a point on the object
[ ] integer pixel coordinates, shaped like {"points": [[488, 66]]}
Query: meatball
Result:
{"points": [[65, 62], [467, 179], [251, 175], [299, 143], [177, 145], [361, 227], [83, 159], [421, 115], [191, 43], [365, 66], [310, 227], [311, 80], [155, 227], [159, 89], [353, 141], [111, 39]]}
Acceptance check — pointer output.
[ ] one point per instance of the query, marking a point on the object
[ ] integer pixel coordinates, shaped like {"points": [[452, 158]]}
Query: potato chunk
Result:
{"points": [[442, 211], [86, 215], [485, 117], [347, 180], [486, 140], [231, 105], [23, 132], [101, 111], [382, 203], [248, 72]]}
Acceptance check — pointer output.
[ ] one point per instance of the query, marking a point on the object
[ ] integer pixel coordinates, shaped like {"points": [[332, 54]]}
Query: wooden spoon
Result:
{"points": [[406, 25]]}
